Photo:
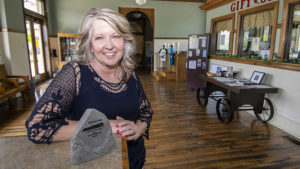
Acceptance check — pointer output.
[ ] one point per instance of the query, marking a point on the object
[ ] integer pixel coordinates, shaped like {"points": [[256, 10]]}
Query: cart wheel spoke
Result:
{"points": [[267, 111], [224, 110], [202, 97]]}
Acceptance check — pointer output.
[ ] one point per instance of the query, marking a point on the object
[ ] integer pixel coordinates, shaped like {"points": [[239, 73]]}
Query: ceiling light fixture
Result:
{"points": [[140, 2]]}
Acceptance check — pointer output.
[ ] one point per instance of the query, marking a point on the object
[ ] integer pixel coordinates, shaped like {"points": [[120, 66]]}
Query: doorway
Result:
{"points": [[36, 48], [141, 26]]}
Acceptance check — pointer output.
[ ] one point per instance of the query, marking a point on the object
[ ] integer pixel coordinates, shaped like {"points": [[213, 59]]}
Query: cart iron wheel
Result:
{"points": [[267, 111], [202, 97], [224, 110]]}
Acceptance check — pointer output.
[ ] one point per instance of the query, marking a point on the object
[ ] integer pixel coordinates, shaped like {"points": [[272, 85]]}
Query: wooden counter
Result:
{"points": [[180, 67], [19, 152]]}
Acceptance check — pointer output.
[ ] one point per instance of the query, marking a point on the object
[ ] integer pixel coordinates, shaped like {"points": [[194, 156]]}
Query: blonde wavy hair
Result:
{"points": [[119, 23]]}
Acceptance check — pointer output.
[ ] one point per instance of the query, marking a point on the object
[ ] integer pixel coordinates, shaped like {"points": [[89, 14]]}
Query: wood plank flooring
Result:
{"points": [[183, 135], [14, 115]]}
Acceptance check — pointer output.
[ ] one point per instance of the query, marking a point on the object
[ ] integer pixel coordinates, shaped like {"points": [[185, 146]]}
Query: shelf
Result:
{"points": [[66, 44]]}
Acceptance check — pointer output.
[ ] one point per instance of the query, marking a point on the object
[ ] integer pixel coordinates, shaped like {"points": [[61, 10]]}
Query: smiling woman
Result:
{"points": [[101, 77]]}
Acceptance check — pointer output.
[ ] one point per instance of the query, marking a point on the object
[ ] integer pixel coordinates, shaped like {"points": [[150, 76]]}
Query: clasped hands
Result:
{"points": [[126, 128]]}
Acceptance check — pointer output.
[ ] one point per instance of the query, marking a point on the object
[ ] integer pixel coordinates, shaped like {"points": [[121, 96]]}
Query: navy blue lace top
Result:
{"points": [[78, 87]]}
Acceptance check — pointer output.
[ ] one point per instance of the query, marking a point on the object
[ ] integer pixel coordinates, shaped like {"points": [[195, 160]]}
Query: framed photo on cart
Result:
{"points": [[257, 77]]}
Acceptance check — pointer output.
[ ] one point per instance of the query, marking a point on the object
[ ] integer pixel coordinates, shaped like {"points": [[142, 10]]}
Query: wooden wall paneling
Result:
{"points": [[278, 65], [272, 45], [237, 34], [180, 69], [231, 34], [213, 37], [11, 30]]}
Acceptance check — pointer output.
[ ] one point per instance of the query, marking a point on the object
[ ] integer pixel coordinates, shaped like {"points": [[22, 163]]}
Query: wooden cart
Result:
{"points": [[233, 98]]}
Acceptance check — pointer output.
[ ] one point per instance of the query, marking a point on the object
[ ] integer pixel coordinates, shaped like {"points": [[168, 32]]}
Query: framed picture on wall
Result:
{"points": [[257, 77]]}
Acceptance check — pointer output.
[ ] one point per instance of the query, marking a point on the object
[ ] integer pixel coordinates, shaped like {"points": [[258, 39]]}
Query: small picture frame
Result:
{"points": [[257, 77], [199, 62]]}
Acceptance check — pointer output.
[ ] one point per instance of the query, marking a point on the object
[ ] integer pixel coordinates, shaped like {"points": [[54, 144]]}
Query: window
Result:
{"points": [[222, 34], [35, 6], [292, 50], [256, 32]]}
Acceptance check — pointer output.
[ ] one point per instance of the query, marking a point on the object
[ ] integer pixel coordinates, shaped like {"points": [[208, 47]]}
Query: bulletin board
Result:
{"points": [[197, 60]]}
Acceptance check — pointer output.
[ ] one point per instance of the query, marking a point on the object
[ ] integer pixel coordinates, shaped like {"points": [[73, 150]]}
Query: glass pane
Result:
{"points": [[35, 6], [256, 42], [39, 47], [257, 31], [30, 48], [68, 45], [294, 51], [223, 41]]}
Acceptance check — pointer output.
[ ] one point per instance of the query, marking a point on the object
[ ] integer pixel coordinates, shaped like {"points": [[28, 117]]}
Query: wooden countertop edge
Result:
{"points": [[125, 160]]}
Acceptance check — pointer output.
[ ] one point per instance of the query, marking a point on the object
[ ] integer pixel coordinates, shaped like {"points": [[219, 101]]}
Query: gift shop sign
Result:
{"points": [[241, 4]]}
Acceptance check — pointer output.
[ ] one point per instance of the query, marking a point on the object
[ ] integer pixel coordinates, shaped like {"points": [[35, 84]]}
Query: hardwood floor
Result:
{"points": [[184, 135], [14, 115]]}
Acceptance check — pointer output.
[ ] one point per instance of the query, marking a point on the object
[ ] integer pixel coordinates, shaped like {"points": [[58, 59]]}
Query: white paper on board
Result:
{"points": [[203, 41], [192, 64], [194, 42]]}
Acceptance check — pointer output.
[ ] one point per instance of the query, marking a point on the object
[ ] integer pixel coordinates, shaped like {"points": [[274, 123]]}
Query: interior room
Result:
{"points": [[222, 79]]}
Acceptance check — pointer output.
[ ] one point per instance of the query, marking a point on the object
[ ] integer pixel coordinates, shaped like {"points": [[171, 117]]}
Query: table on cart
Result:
{"points": [[233, 96]]}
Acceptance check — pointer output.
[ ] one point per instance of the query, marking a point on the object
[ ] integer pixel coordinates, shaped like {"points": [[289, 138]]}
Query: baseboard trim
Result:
{"points": [[289, 126]]}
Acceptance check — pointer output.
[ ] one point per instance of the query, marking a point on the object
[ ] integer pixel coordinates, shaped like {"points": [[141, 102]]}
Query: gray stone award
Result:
{"points": [[92, 137]]}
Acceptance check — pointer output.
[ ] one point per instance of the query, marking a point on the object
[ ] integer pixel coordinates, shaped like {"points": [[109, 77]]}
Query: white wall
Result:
{"points": [[286, 101], [14, 53]]}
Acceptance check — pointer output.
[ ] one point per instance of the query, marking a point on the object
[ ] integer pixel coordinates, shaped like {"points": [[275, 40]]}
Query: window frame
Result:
{"points": [[45, 30], [285, 21], [239, 37], [213, 48]]}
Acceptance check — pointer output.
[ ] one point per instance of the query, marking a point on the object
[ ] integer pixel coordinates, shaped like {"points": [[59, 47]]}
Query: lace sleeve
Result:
{"points": [[145, 114], [49, 113]]}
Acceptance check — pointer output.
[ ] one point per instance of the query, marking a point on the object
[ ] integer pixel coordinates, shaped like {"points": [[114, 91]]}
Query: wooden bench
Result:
{"points": [[10, 85]]}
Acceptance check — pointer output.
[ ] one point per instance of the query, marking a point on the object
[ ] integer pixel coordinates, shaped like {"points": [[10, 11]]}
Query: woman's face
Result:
{"points": [[108, 45]]}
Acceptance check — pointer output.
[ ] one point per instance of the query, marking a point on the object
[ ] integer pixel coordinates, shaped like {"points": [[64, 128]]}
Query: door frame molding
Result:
{"points": [[149, 12]]}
